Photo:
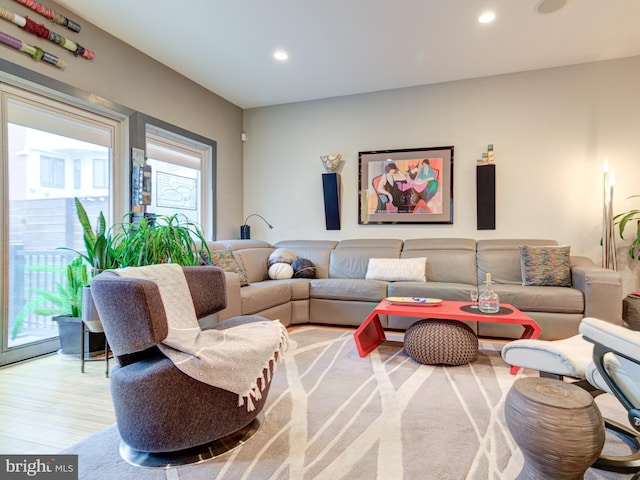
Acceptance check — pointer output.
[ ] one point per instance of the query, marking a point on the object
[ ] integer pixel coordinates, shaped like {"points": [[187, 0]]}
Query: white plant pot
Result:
{"points": [[90, 315]]}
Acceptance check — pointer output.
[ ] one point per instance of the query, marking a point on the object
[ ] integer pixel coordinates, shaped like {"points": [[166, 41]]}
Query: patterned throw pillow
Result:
{"points": [[397, 269], [227, 262], [545, 266]]}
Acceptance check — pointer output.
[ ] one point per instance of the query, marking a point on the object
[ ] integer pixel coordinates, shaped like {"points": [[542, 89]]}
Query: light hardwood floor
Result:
{"points": [[47, 404]]}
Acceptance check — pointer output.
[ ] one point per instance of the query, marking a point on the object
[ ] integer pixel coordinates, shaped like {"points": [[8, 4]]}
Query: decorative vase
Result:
{"points": [[331, 162]]}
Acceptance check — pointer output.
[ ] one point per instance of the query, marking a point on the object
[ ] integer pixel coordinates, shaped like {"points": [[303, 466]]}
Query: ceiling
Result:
{"points": [[344, 47]]}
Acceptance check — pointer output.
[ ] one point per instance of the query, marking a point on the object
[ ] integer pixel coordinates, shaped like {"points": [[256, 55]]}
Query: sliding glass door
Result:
{"points": [[52, 153]]}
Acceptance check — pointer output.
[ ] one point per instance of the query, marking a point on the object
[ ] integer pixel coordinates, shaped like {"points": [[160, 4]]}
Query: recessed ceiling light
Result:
{"points": [[487, 17], [280, 55], [550, 6]]}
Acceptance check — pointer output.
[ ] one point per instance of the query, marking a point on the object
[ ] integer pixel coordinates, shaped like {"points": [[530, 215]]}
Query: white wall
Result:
{"points": [[551, 130]]}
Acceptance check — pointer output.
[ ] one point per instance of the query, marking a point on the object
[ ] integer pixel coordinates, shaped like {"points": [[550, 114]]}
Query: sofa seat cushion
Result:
{"points": [[262, 295], [541, 299], [348, 289], [444, 290], [299, 288]]}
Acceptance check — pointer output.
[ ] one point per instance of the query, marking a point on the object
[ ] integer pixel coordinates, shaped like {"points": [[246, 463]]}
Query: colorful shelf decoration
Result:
{"points": [[35, 52], [51, 15], [43, 32]]}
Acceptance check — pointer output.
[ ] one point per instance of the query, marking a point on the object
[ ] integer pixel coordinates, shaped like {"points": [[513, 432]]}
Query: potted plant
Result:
{"points": [[148, 241], [99, 252], [621, 220], [100, 255], [64, 305], [160, 239]]}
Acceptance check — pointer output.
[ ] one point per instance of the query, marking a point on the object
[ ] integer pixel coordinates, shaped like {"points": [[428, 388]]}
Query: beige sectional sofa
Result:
{"points": [[340, 295]]}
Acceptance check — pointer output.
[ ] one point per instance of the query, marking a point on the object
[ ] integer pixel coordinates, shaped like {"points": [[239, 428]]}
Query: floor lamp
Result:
{"points": [[608, 236]]}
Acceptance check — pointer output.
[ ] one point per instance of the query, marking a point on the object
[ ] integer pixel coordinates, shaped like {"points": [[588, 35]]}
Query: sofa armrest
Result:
{"points": [[602, 290], [234, 302]]}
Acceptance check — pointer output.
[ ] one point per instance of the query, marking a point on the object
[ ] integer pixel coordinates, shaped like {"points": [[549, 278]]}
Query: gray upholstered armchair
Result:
{"points": [[158, 408]]}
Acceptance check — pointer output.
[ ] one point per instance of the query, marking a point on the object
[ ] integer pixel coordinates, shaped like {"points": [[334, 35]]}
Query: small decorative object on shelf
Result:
{"points": [[487, 157], [489, 301], [331, 162]]}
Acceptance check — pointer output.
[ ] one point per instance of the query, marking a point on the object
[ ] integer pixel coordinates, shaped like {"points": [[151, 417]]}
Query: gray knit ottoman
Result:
{"points": [[446, 342]]}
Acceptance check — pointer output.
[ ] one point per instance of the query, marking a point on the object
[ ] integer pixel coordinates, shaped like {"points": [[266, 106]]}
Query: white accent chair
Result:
{"points": [[603, 358]]}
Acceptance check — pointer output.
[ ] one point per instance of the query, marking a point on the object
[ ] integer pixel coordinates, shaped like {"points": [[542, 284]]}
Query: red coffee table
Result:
{"points": [[370, 333]]}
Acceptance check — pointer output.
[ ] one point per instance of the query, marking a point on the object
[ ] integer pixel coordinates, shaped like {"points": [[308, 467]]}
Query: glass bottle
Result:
{"points": [[488, 300]]}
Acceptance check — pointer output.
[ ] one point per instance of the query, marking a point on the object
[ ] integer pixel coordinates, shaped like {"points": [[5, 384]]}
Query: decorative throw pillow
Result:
{"points": [[545, 266], [397, 269], [282, 255], [303, 268], [280, 271], [227, 262]]}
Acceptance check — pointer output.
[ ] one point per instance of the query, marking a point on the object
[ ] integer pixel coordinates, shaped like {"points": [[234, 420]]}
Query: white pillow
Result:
{"points": [[280, 271], [397, 269]]}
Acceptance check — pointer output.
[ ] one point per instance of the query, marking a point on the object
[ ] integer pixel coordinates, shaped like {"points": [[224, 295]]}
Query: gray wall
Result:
{"points": [[125, 76], [551, 130]]}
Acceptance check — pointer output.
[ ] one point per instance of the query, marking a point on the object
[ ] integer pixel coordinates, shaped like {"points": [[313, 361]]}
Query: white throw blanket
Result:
{"points": [[232, 359]]}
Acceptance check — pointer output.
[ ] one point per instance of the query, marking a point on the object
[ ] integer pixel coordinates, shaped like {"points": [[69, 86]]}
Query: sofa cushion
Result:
{"points": [[318, 251], [351, 257], [545, 266], [397, 269], [449, 259], [541, 299], [227, 262], [501, 258], [348, 289], [254, 261], [263, 295], [444, 290]]}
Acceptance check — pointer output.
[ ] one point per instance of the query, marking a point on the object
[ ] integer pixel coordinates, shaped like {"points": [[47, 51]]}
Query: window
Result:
{"points": [[77, 174], [51, 172], [100, 173], [181, 177]]}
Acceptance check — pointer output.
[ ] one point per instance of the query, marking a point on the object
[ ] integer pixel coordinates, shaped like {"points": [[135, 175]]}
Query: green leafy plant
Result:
{"points": [[159, 239], [65, 300], [149, 241], [99, 254], [621, 220]]}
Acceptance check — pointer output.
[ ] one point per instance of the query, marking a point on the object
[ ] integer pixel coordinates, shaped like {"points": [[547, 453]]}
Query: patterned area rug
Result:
{"points": [[333, 415]]}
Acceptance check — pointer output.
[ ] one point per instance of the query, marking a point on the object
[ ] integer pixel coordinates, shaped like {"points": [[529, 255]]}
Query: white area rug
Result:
{"points": [[333, 415]]}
